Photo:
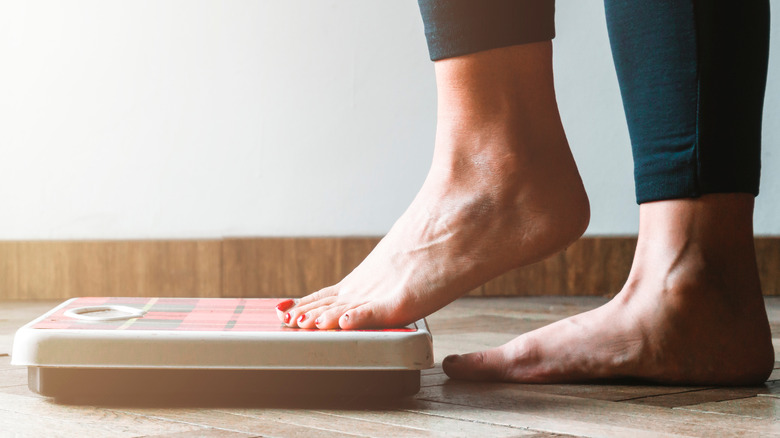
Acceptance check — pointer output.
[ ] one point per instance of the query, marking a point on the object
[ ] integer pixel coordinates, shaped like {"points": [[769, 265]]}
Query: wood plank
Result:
{"points": [[492, 323], [64, 269], [15, 424], [6, 342], [288, 267], [9, 271], [506, 314], [388, 422], [433, 371], [13, 377], [610, 392], [21, 390], [545, 423], [545, 277], [776, 345], [541, 308], [270, 425], [590, 266], [697, 396], [772, 389], [15, 314], [206, 433], [505, 404], [273, 267], [34, 417], [751, 407], [342, 424], [447, 344], [768, 258], [547, 434], [773, 309]]}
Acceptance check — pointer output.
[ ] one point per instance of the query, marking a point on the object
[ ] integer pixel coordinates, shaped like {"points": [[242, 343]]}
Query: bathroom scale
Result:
{"points": [[98, 347]]}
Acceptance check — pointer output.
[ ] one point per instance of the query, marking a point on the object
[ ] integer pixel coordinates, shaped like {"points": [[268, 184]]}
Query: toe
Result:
{"points": [[303, 315], [482, 365], [369, 315], [313, 317], [283, 307], [305, 320], [329, 319]]}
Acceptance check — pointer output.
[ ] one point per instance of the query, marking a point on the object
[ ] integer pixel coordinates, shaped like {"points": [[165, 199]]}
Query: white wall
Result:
{"points": [[182, 118]]}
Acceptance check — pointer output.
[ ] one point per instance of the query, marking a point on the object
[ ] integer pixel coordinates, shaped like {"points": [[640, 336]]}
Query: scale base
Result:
{"points": [[75, 384]]}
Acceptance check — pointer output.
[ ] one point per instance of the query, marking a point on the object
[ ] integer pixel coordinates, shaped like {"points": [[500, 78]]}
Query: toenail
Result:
{"points": [[302, 318], [452, 358], [284, 305], [345, 317], [287, 318], [317, 321]]}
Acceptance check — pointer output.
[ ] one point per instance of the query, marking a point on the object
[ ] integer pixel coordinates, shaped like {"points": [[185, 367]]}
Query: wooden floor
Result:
{"points": [[442, 408]]}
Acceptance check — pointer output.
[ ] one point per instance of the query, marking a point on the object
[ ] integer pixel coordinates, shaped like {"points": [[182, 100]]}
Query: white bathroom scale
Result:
{"points": [[182, 347]]}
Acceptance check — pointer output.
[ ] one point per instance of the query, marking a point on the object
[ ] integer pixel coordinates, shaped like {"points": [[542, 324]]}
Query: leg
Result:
{"points": [[503, 190], [691, 311]]}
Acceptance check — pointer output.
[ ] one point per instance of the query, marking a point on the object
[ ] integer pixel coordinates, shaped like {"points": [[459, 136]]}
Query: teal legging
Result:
{"points": [[692, 75]]}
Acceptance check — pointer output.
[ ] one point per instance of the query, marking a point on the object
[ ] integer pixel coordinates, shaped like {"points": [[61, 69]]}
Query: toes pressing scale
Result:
{"points": [[102, 347]]}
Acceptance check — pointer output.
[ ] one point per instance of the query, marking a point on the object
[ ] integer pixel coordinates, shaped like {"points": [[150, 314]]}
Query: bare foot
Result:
{"points": [[503, 191], [691, 311]]}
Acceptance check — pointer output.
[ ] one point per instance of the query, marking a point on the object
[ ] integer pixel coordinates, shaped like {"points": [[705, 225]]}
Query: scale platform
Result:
{"points": [[175, 348]]}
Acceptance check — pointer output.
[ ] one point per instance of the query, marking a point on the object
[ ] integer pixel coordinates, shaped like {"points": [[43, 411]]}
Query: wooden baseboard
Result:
{"points": [[289, 267], [63, 269]]}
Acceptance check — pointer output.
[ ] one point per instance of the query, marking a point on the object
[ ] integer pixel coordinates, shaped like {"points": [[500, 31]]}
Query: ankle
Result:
{"points": [[496, 81], [714, 232], [719, 221], [503, 150]]}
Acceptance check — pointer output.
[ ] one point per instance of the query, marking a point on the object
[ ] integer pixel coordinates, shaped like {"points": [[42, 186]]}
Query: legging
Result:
{"points": [[692, 75]]}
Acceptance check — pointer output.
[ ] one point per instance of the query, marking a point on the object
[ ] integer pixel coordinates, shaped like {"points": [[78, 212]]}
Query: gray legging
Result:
{"points": [[692, 75]]}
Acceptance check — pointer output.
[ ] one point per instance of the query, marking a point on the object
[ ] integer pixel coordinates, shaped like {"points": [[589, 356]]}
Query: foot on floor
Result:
{"points": [[691, 312]]}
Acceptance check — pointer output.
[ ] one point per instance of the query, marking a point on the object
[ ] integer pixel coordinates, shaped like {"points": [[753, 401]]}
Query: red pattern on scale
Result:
{"points": [[183, 314]]}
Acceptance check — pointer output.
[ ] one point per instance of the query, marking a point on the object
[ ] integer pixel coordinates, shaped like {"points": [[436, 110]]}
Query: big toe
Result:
{"points": [[482, 365], [370, 315]]}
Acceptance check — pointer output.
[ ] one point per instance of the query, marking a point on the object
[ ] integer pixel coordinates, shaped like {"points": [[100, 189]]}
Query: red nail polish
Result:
{"points": [[286, 318], [284, 305], [345, 317], [302, 318], [317, 321]]}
